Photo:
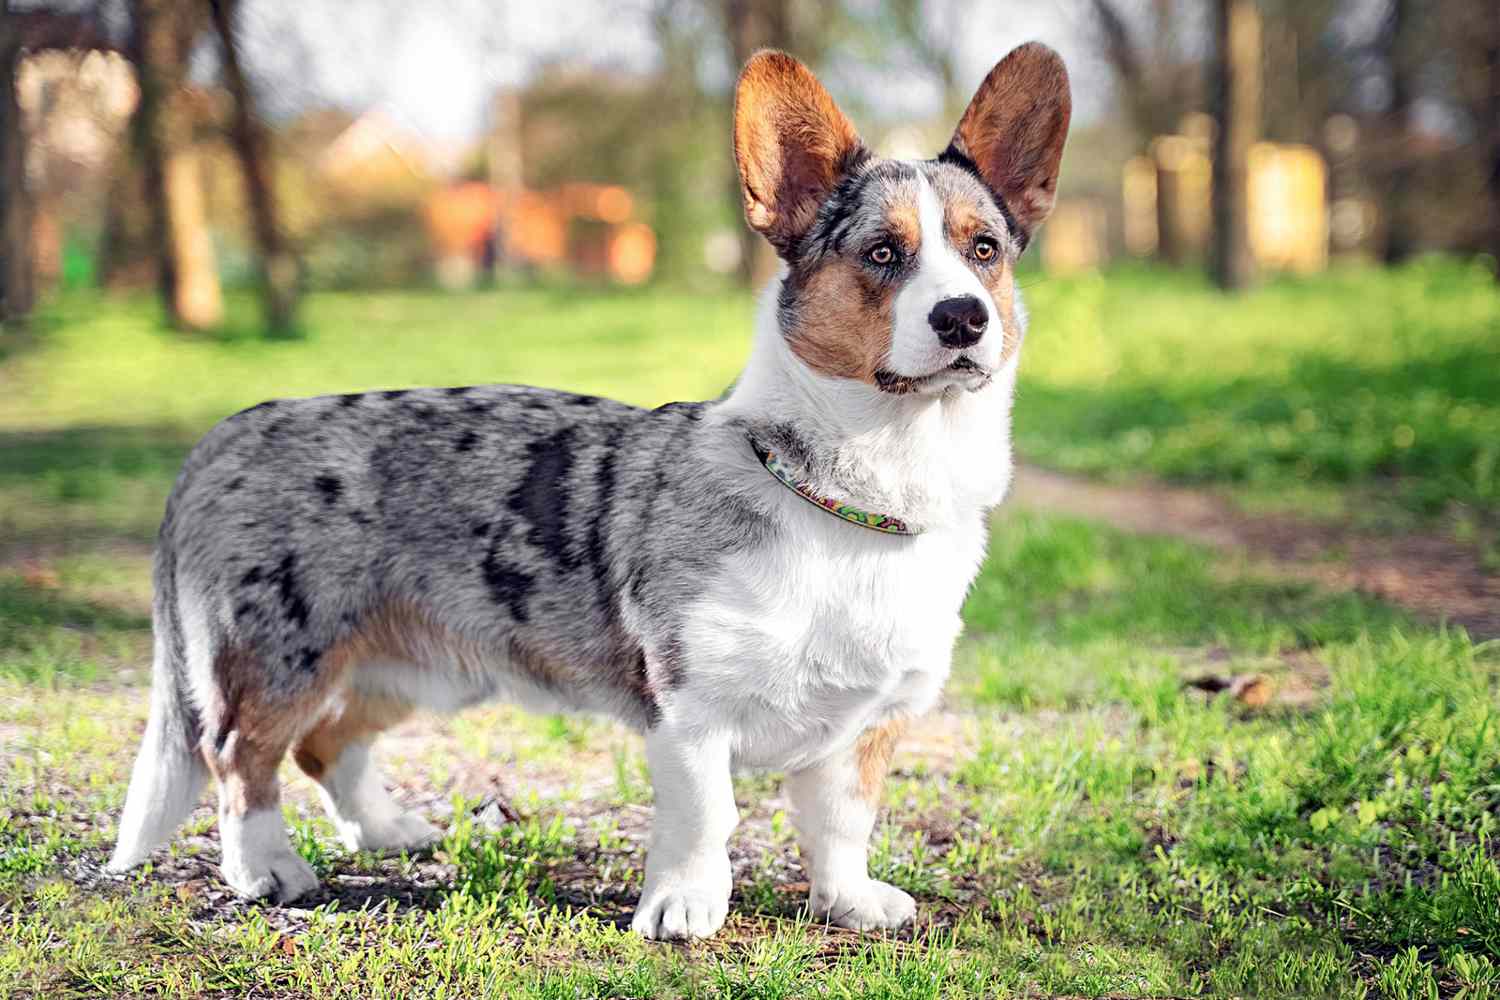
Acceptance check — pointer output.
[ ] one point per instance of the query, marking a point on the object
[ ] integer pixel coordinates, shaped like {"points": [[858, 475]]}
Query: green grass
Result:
{"points": [[1107, 832], [1080, 823], [1384, 380], [1360, 393]]}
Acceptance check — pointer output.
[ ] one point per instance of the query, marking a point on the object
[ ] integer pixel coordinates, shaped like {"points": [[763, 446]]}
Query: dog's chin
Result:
{"points": [[962, 373]]}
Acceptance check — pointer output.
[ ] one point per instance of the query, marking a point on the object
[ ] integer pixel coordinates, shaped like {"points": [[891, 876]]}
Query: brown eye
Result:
{"points": [[882, 254], [984, 249]]}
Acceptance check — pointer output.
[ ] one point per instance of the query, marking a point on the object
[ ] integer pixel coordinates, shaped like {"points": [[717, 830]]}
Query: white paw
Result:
{"points": [[259, 862], [862, 906], [283, 876], [680, 913], [401, 832]]}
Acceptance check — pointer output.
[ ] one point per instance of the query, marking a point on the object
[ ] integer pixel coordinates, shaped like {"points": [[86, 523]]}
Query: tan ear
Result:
{"points": [[792, 145], [1013, 132]]}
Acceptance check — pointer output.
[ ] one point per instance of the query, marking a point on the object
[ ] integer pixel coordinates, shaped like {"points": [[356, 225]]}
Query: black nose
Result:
{"points": [[959, 321]]}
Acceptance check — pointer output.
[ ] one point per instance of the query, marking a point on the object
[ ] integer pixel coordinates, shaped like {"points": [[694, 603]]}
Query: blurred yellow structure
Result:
{"points": [[1075, 238], [1167, 198], [1138, 194], [1288, 213]]}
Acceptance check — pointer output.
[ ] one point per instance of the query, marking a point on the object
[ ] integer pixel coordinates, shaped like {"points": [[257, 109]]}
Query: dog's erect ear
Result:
{"points": [[792, 145], [1013, 132]]}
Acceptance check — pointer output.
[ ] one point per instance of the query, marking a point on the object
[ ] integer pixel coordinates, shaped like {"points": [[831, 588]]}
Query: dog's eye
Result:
{"points": [[984, 249], [882, 254]]}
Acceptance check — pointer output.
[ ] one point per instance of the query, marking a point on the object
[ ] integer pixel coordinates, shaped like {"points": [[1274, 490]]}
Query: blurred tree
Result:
{"points": [[1401, 47], [277, 266], [1304, 71], [16, 283], [1487, 68], [163, 35], [81, 25], [1158, 74], [929, 31], [1472, 30], [1236, 108], [682, 163]]}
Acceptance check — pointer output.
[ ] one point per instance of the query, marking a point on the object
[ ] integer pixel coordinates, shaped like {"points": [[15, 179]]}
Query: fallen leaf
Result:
{"points": [[1253, 690], [40, 577]]}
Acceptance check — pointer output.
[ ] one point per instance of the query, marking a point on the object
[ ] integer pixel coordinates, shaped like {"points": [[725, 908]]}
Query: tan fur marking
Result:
{"points": [[260, 725], [839, 330], [397, 632], [359, 719], [873, 755], [963, 222], [1001, 282], [256, 729], [905, 224]]}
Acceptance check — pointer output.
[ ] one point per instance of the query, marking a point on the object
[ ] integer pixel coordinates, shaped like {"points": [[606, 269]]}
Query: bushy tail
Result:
{"points": [[169, 771]]}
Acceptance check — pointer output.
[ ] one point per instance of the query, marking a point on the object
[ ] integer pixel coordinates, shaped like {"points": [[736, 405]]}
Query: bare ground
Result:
{"points": [[1426, 571]]}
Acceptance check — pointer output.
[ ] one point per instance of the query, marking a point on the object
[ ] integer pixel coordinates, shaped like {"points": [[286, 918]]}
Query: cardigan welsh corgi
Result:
{"points": [[769, 580]]}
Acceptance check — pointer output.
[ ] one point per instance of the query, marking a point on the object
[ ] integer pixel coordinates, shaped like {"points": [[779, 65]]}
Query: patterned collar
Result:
{"points": [[838, 508]]}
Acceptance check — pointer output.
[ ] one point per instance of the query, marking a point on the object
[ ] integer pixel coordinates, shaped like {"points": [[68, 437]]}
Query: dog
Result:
{"points": [[771, 580]]}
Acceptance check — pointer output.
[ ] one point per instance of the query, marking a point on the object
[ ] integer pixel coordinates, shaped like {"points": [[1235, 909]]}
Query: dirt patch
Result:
{"points": [[1431, 574], [511, 774]]}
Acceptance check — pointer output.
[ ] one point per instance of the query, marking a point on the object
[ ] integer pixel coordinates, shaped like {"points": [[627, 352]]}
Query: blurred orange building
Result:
{"points": [[588, 229]]}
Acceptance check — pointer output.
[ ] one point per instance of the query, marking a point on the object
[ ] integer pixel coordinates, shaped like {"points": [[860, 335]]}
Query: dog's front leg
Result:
{"points": [[834, 805], [686, 894]]}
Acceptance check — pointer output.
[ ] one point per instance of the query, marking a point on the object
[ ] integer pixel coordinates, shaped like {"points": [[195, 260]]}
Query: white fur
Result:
{"points": [[835, 823], [686, 892], [798, 648], [258, 860], [164, 787], [941, 274], [363, 812], [792, 651]]}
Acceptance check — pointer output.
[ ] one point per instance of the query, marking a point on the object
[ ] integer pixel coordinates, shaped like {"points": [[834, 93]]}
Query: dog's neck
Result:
{"points": [[931, 460]]}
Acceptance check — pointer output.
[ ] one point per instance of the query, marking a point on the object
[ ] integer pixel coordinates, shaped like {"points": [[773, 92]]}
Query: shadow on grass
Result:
{"points": [[1070, 582], [86, 486], [25, 607], [1415, 427], [98, 452]]}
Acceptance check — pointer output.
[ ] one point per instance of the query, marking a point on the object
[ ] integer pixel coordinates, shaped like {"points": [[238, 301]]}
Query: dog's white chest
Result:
{"points": [[803, 644]]}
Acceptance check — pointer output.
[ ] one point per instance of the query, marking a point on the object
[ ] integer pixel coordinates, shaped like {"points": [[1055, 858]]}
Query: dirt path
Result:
{"points": [[1426, 572]]}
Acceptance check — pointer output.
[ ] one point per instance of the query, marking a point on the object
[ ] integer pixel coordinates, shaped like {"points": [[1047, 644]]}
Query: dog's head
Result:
{"points": [[901, 273]]}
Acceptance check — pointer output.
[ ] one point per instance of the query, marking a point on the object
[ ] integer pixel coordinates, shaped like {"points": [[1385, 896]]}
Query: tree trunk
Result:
{"points": [[1491, 131], [162, 131], [1237, 94], [1402, 212], [277, 265], [753, 25], [17, 285]]}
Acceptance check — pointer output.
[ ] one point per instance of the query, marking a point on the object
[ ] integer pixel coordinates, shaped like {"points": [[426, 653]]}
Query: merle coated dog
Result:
{"points": [[769, 580]]}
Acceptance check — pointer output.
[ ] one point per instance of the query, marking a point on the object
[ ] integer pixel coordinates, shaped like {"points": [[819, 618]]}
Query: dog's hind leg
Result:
{"points": [[834, 805], [336, 754], [245, 746]]}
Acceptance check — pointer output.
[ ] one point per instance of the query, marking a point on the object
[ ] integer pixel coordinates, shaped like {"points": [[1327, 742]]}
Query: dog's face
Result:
{"points": [[901, 274]]}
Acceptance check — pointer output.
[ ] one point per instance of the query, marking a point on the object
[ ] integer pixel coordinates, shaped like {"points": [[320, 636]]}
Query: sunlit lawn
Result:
{"points": [[1356, 388], [1077, 822]]}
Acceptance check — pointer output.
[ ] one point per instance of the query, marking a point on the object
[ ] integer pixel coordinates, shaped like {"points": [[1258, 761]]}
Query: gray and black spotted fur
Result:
{"points": [[550, 528]]}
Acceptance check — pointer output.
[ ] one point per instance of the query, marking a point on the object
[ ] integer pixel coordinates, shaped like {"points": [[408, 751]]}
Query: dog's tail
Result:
{"points": [[169, 771]]}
